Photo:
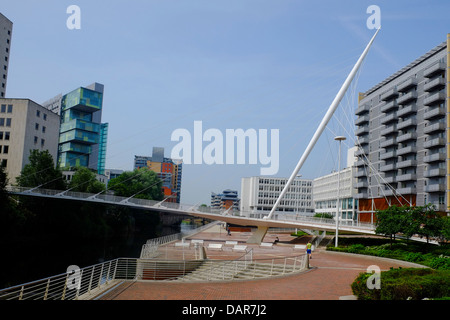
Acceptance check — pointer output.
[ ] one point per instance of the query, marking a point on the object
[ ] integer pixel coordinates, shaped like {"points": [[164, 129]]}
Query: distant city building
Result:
{"points": [[25, 126], [5, 48], [325, 191], [259, 194], [402, 129], [113, 173], [168, 170], [83, 138], [225, 200]]}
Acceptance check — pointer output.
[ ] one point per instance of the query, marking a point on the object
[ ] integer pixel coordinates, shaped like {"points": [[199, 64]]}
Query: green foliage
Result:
{"points": [[41, 171], [402, 284], [323, 215], [142, 183], [84, 180]]}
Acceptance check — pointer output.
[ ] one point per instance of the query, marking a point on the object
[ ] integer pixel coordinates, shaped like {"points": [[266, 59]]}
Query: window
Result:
{"points": [[36, 126], [3, 108], [4, 163], [7, 136], [43, 129], [10, 108], [35, 140], [1, 135], [5, 149], [38, 113], [42, 142], [2, 122], [8, 122], [44, 116]]}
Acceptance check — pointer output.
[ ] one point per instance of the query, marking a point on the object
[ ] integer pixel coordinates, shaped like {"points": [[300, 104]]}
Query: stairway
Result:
{"points": [[212, 270]]}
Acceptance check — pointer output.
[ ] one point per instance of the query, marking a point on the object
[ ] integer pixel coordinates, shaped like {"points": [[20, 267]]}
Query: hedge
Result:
{"points": [[405, 283]]}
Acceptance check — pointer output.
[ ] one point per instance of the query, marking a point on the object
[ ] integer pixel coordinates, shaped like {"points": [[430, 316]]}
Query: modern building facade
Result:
{"points": [[325, 192], [25, 126], [6, 27], [83, 137], [402, 126], [259, 194], [227, 200], [168, 170]]}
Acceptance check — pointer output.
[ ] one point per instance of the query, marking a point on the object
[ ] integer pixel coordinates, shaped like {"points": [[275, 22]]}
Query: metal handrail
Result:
{"points": [[93, 280]]}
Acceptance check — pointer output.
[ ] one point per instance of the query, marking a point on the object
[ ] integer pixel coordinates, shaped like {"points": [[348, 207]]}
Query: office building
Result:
{"points": [[259, 194], [83, 137], [25, 126], [6, 27], [401, 133], [227, 200], [325, 191], [168, 170]]}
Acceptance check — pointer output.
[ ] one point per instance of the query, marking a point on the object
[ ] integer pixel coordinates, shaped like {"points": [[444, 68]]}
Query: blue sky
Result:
{"points": [[261, 64]]}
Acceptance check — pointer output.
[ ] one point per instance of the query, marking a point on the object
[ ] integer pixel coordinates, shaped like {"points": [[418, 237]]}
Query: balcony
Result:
{"points": [[362, 184], [406, 190], [407, 137], [362, 195], [391, 105], [361, 151], [435, 188], [429, 129], [434, 69], [391, 179], [434, 113], [362, 130], [388, 167], [407, 84], [362, 140], [388, 155], [365, 108], [361, 163], [362, 119], [388, 129], [407, 97], [406, 150], [406, 123], [407, 177], [360, 173], [436, 157], [406, 164], [432, 173], [406, 110], [389, 117], [434, 98], [435, 84], [436, 142], [389, 94], [387, 143]]}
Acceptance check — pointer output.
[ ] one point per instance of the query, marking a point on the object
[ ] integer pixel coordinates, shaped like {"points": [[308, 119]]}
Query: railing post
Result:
{"points": [[46, 289], [65, 288], [21, 293], [90, 280], [100, 277]]}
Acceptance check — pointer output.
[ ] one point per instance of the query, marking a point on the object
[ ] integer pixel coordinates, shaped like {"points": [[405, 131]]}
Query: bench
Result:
{"points": [[266, 245], [182, 244], [239, 248], [193, 241], [300, 246], [215, 246], [231, 243]]}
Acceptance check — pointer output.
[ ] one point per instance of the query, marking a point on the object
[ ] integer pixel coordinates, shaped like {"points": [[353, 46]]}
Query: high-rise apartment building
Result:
{"points": [[259, 194], [401, 133], [83, 138], [25, 126], [5, 47], [168, 170], [227, 200]]}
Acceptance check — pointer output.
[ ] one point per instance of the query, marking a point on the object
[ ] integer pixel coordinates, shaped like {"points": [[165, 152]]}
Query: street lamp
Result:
{"points": [[340, 139]]}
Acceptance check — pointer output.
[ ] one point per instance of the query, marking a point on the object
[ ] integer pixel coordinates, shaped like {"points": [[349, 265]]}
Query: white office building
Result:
{"points": [[259, 194]]}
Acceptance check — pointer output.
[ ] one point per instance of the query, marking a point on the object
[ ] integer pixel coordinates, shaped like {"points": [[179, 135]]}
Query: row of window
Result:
{"points": [[5, 122], [4, 149], [282, 182], [6, 108]]}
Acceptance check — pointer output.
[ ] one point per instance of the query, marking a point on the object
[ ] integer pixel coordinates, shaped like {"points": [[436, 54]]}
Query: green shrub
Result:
{"points": [[356, 248], [414, 257], [401, 284], [440, 263]]}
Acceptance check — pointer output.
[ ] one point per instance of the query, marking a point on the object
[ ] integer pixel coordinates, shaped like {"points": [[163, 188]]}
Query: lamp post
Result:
{"points": [[340, 139]]}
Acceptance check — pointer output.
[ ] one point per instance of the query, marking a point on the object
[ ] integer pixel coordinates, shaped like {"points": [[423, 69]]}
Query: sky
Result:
{"points": [[231, 64]]}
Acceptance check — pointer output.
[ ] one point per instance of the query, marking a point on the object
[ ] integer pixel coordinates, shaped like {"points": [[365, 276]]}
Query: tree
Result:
{"points": [[41, 171], [389, 221], [84, 180], [140, 183]]}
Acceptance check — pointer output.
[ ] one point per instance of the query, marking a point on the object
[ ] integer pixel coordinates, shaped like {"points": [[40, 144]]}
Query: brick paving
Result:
{"points": [[329, 278]]}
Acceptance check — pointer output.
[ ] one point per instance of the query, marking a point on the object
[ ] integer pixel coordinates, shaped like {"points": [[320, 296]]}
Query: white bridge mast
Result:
{"points": [[323, 124]]}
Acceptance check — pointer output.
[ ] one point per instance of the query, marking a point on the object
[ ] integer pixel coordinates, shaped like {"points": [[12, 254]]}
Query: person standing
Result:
{"points": [[308, 249]]}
